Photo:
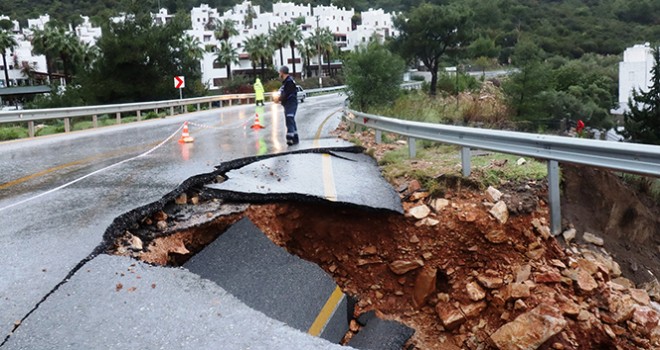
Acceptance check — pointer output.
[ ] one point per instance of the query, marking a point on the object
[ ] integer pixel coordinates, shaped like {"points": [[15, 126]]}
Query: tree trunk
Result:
{"points": [[293, 57], [281, 58], [329, 70], [228, 71], [434, 79], [254, 70], [4, 62], [65, 66], [263, 65], [48, 70]]}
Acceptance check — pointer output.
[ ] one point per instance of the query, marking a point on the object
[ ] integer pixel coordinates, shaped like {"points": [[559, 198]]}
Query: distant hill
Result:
{"points": [[566, 27]]}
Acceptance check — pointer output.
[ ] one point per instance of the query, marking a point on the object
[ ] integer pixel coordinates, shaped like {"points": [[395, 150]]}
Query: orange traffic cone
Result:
{"points": [[185, 136], [257, 124]]}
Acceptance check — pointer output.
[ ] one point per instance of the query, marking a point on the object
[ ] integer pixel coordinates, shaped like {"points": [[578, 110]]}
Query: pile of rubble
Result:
{"points": [[576, 299]]}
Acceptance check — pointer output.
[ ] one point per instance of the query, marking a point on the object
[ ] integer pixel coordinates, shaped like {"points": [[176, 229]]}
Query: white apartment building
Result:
{"points": [[162, 17], [374, 22], [87, 33], [38, 23], [16, 28], [289, 11], [634, 73], [16, 59], [202, 16], [337, 20]]}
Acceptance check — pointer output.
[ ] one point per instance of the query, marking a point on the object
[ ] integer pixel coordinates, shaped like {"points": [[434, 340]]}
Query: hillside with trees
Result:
{"points": [[567, 27]]}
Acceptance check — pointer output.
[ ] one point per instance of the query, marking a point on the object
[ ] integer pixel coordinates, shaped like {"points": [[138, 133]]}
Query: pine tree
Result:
{"points": [[642, 122]]}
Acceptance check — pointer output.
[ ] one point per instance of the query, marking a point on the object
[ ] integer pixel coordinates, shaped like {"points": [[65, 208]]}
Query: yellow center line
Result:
{"points": [[326, 312], [23, 179], [330, 193]]}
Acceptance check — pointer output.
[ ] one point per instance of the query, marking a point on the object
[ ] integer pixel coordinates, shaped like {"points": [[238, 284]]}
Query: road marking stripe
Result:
{"points": [[317, 137], [41, 173], [93, 173], [326, 313], [328, 180]]}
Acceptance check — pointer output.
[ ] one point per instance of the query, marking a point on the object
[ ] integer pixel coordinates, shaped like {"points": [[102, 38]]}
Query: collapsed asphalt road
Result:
{"points": [[124, 301]]}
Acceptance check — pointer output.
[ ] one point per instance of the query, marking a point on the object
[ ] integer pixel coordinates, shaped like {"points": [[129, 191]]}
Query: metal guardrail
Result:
{"points": [[32, 115], [626, 157]]}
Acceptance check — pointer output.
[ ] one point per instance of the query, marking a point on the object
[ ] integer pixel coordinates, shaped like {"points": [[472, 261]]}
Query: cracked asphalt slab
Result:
{"points": [[266, 277], [348, 178], [118, 303]]}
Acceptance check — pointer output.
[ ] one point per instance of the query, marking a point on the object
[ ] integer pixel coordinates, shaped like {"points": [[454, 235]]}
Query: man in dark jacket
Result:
{"points": [[289, 99]]}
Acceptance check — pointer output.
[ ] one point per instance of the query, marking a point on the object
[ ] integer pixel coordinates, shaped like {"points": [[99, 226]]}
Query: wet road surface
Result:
{"points": [[42, 239]]}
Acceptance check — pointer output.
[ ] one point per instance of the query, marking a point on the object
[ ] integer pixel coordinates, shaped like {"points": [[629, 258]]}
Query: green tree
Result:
{"points": [[225, 29], [252, 48], [7, 42], [279, 39], [524, 89], [373, 76], [308, 49], [227, 55], [137, 60], [293, 35], [429, 31], [642, 121], [43, 43]]}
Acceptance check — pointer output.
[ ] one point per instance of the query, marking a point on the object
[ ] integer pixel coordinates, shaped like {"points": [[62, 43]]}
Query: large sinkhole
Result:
{"points": [[446, 277]]}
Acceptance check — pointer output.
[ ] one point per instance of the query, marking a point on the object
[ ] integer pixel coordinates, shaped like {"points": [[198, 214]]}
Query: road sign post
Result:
{"points": [[180, 83]]}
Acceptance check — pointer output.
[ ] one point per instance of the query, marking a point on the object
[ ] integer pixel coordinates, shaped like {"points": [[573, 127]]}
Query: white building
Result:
{"points": [[87, 33], [634, 73], [16, 28], [162, 17], [375, 23], [337, 20], [38, 23]]}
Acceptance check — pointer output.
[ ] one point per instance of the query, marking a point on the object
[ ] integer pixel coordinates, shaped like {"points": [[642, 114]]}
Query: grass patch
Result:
{"points": [[12, 133], [485, 108], [437, 164]]}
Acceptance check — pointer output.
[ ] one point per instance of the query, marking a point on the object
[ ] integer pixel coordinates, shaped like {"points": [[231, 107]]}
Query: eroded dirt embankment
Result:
{"points": [[453, 268]]}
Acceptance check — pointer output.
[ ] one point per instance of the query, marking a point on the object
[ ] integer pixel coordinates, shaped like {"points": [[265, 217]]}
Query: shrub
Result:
{"points": [[373, 76]]}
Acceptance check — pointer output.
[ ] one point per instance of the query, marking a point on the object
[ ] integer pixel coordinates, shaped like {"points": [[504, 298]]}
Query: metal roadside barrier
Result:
{"points": [[626, 157], [30, 116]]}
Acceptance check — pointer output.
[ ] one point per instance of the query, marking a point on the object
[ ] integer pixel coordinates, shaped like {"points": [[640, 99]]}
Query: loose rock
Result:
{"points": [[450, 316], [400, 267], [419, 212], [529, 330], [424, 286], [493, 194], [474, 291], [500, 212], [569, 234], [490, 282], [181, 199], [593, 239], [521, 161]]}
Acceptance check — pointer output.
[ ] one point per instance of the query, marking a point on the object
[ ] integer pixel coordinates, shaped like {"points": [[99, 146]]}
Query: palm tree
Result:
{"points": [[68, 49], [227, 55], [43, 43], [253, 50], [326, 44], [225, 29], [27, 70], [292, 36], [265, 52], [308, 49], [279, 39], [7, 42], [192, 48]]}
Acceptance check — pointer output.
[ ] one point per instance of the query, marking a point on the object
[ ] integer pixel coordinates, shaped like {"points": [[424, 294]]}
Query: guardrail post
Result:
{"points": [[171, 111], [118, 118], [412, 147], [67, 124], [379, 137], [210, 105], [230, 102], [31, 128], [466, 161], [220, 103], [95, 121], [199, 107], [139, 116], [553, 196]]}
